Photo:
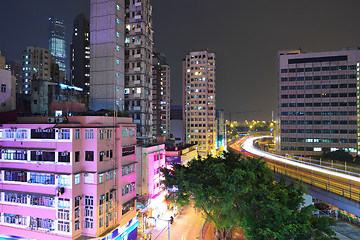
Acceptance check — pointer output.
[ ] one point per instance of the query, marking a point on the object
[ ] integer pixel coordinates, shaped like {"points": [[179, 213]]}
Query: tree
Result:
{"points": [[273, 211], [215, 184], [242, 193], [339, 155]]}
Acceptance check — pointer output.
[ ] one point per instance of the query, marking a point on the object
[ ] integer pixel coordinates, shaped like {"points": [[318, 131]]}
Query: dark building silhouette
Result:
{"points": [[80, 56]]}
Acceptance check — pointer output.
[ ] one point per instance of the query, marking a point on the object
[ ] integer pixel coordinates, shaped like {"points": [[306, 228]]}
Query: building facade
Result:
{"points": [[80, 56], [199, 101], [7, 91], [317, 102], [138, 64], [36, 64], [107, 19], [57, 42], [65, 178], [176, 124], [161, 96], [149, 161]]}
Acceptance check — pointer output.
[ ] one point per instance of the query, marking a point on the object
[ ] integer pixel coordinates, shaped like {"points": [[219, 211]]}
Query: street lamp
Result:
{"points": [[168, 221]]}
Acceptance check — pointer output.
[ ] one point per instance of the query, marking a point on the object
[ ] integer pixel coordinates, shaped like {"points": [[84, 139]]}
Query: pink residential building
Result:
{"points": [[68, 178], [149, 161]]}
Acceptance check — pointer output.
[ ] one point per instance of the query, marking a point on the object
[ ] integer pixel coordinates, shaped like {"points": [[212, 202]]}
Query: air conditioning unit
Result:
{"points": [[102, 153], [51, 120], [59, 120], [86, 174]]}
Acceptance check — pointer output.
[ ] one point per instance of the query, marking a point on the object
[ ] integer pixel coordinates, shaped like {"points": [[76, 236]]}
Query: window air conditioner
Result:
{"points": [[51, 120]]}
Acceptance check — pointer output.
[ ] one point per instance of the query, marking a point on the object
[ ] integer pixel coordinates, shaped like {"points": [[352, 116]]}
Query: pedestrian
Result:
{"points": [[150, 236], [145, 236]]}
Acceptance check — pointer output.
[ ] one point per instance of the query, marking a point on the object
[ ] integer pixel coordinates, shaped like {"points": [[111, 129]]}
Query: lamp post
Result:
{"points": [[168, 221]]}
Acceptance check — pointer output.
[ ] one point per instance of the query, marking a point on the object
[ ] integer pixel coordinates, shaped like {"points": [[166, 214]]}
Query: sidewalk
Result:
{"points": [[160, 228]]}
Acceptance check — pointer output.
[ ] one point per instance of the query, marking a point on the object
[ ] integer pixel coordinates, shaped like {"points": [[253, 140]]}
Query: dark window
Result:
{"points": [[42, 156], [308, 78], [64, 157], [325, 69], [317, 69], [291, 79], [318, 59], [309, 69], [342, 67], [89, 155], [324, 77], [292, 70], [300, 70], [77, 156], [343, 76], [128, 151], [334, 68], [352, 67], [284, 70], [42, 133], [317, 77]]}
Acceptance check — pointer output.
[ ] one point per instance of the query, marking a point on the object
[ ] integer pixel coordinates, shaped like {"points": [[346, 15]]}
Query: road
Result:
{"points": [[187, 226], [339, 183]]}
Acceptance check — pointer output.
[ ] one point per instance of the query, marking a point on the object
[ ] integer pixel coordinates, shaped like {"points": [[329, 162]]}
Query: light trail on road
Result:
{"points": [[342, 184]]}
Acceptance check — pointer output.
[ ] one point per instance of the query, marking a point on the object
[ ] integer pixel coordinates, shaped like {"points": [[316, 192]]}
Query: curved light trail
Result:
{"points": [[248, 145]]}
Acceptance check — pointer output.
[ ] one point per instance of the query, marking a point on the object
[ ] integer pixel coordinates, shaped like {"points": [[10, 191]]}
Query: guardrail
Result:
{"points": [[334, 184]]}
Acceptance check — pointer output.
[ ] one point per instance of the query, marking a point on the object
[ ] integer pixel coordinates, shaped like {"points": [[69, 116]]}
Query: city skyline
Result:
{"points": [[292, 26]]}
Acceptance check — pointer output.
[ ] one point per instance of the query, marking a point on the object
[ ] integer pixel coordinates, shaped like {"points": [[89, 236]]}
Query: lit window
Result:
{"points": [[77, 179]]}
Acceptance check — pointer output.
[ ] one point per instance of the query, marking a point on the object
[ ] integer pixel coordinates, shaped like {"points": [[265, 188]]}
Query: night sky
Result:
{"points": [[245, 35]]}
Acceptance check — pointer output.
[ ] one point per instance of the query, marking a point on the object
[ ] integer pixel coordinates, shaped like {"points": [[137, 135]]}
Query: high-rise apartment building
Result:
{"points": [[107, 19], [317, 102], [68, 178], [57, 42], [138, 64], [80, 56], [161, 96], [199, 101], [36, 64]]}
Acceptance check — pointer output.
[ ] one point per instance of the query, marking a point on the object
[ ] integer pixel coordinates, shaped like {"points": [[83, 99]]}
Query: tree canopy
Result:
{"points": [[234, 192]]}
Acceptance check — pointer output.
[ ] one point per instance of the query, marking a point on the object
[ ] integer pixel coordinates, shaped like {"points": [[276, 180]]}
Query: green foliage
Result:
{"points": [[339, 155], [242, 193], [322, 228]]}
